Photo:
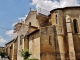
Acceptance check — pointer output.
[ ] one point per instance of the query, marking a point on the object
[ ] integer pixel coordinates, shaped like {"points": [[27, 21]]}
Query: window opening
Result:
{"points": [[75, 25], [50, 40], [56, 19]]}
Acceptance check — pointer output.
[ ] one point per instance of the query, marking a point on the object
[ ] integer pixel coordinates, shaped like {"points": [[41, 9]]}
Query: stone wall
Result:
{"points": [[44, 44], [66, 29], [9, 49], [49, 43], [34, 45], [26, 43], [52, 41], [74, 13], [31, 19], [76, 40], [15, 50]]}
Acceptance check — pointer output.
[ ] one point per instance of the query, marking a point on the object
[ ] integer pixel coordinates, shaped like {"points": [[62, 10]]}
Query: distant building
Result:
{"points": [[2, 48], [11, 49]]}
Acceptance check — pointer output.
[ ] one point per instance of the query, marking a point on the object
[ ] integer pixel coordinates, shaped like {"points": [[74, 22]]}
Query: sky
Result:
{"points": [[12, 11]]}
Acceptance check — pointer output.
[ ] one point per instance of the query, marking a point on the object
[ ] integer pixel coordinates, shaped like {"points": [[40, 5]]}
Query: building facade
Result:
{"points": [[53, 37], [67, 22], [24, 29], [11, 49]]}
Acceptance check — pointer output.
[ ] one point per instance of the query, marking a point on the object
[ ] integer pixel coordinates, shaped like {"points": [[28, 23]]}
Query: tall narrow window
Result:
{"points": [[50, 40], [20, 41], [21, 37], [75, 26], [11, 46], [56, 19], [61, 30], [32, 44]]}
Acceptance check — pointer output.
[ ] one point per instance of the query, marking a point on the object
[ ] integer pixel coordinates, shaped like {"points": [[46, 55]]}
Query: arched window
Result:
{"points": [[29, 23], [75, 26]]}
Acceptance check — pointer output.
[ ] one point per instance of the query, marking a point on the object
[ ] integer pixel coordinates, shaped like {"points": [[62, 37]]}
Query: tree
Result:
{"points": [[25, 54], [2, 54]]}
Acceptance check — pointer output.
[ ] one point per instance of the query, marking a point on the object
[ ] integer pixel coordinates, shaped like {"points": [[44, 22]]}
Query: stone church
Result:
{"points": [[52, 37]]}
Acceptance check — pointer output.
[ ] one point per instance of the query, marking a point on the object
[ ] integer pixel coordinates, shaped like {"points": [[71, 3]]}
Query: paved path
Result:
{"points": [[4, 58]]}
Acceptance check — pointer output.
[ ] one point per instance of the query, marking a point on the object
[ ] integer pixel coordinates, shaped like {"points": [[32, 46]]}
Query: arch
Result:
{"points": [[75, 26], [29, 23]]}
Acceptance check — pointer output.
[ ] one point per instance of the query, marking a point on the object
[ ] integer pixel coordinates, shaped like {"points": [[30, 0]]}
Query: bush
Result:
{"points": [[31, 59], [2, 54], [25, 54]]}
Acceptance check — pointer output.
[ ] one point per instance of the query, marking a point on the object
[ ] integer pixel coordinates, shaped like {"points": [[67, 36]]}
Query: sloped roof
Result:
{"points": [[9, 42], [64, 8], [33, 32], [29, 14]]}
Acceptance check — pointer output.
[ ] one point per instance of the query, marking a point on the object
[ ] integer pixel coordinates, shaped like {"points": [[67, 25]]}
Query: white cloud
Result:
{"points": [[2, 40], [9, 33], [26, 15], [64, 3], [22, 18], [14, 24], [52, 4], [14, 35]]}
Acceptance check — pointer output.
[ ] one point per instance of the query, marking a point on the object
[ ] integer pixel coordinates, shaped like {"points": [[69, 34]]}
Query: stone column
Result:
{"points": [[79, 24], [18, 48], [23, 43], [61, 47], [70, 39], [23, 46], [13, 52]]}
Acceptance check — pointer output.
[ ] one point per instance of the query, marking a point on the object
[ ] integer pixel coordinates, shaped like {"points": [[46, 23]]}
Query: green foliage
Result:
{"points": [[25, 53], [2, 54], [32, 59]]}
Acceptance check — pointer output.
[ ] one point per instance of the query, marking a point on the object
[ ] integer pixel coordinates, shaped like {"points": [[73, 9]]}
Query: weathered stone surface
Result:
{"points": [[56, 38]]}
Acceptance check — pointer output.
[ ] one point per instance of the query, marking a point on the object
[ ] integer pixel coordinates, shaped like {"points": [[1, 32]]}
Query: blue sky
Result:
{"points": [[12, 10]]}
